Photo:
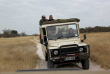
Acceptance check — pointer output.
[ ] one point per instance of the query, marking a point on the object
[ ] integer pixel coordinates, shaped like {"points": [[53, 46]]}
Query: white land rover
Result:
{"points": [[61, 43]]}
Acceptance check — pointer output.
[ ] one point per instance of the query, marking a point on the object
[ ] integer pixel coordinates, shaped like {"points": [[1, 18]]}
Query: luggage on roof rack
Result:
{"points": [[62, 21]]}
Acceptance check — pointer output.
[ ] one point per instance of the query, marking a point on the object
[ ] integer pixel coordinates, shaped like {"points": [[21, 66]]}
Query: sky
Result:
{"points": [[24, 15]]}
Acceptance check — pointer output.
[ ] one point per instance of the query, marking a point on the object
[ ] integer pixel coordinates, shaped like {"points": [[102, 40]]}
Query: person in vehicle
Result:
{"points": [[50, 35], [50, 18], [70, 33], [42, 20], [59, 33], [67, 31]]}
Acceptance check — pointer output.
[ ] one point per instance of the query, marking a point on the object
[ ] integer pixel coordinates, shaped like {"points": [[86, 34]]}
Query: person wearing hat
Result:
{"points": [[42, 20], [50, 18]]}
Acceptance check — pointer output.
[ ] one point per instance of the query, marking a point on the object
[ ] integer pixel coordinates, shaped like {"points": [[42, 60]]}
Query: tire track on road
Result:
{"points": [[42, 63]]}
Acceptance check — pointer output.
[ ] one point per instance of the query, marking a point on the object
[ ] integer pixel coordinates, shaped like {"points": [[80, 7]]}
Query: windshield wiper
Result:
{"points": [[70, 36], [60, 37]]}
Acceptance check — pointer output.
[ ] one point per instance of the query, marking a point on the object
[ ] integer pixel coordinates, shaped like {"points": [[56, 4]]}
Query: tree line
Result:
{"points": [[95, 29], [13, 33]]}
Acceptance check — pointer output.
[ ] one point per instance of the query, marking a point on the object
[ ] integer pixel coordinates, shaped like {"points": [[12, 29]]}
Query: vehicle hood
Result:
{"points": [[54, 44]]}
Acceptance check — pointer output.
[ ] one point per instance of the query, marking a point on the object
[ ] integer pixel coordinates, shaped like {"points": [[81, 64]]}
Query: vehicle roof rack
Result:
{"points": [[62, 21]]}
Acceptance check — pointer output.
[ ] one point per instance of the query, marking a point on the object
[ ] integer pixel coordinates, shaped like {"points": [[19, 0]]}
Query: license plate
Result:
{"points": [[70, 58]]}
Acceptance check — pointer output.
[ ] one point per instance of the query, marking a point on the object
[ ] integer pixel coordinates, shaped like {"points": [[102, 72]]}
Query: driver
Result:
{"points": [[70, 33]]}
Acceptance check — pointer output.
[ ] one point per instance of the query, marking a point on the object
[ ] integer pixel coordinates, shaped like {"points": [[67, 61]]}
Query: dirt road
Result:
{"points": [[43, 63]]}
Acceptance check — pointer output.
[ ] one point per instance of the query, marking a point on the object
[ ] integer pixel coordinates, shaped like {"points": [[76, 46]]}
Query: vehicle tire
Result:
{"points": [[50, 64], [46, 57], [85, 64]]}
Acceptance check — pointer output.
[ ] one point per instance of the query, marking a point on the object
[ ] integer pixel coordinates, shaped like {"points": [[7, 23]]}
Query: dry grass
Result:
{"points": [[100, 48], [17, 53]]}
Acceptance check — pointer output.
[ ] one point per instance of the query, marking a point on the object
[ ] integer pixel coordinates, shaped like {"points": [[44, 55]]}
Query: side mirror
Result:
{"points": [[84, 36], [41, 41]]}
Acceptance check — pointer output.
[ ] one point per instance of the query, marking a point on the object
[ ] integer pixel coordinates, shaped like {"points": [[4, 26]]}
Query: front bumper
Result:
{"points": [[71, 51], [77, 57]]}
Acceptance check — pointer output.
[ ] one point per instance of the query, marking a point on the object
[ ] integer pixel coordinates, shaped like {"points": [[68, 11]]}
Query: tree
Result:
{"points": [[95, 29], [14, 33], [35, 34], [23, 34], [0, 35], [6, 33], [82, 30], [10, 33]]}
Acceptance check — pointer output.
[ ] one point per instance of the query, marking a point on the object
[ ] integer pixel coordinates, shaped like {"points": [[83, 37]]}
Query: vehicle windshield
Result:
{"points": [[62, 31]]}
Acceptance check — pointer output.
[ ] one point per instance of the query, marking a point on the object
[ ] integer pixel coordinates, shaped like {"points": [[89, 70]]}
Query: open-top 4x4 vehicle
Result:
{"points": [[61, 43]]}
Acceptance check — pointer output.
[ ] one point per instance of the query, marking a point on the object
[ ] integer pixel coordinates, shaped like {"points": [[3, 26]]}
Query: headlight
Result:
{"points": [[55, 52], [81, 49]]}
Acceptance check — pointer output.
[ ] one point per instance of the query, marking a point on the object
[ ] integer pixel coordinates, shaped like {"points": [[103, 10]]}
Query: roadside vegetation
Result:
{"points": [[95, 29], [17, 53], [100, 48]]}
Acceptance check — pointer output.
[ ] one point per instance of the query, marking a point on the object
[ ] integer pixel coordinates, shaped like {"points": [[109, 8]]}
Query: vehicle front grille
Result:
{"points": [[72, 50]]}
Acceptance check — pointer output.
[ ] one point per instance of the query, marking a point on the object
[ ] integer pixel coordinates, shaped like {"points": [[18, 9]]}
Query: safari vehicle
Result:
{"points": [[61, 43]]}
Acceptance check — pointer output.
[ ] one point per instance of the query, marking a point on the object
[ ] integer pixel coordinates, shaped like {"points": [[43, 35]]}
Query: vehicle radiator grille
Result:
{"points": [[68, 50]]}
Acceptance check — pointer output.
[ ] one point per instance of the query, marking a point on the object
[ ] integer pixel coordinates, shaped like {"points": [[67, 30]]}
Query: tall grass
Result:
{"points": [[100, 48], [17, 53]]}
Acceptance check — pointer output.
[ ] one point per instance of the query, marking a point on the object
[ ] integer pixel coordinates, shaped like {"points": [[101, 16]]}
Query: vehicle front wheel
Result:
{"points": [[46, 57], [50, 64], [85, 63]]}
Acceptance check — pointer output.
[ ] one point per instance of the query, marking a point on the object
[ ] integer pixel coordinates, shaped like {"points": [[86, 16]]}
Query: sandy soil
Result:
{"points": [[43, 63]]}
